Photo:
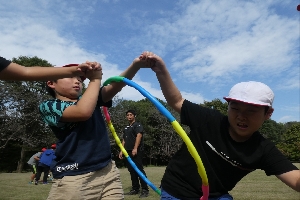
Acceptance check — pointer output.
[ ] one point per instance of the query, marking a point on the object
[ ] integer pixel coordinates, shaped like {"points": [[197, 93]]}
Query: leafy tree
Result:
{"points": [[22, 130], [216, 104], [21, 120], [290, 145], [288, 125], [272, 130]]}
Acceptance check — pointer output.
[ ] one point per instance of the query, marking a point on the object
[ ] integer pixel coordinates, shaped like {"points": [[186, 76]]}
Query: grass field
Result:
{"points": [[254, 186]]}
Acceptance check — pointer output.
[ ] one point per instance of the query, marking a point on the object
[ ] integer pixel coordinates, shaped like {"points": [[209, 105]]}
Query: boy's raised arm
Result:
{"points": [[16, 72], [168, 87], [109, 91]]}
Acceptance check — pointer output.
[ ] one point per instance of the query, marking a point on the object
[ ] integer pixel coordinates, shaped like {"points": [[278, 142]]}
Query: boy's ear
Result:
{"points": [[269, 113], [50, 84]]}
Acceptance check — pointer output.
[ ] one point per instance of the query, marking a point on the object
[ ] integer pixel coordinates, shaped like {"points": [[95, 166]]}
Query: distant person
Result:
{"points": [[33, 162], [230, 146], [83, 166], [133, 143], [44, 164], [15, 72]]}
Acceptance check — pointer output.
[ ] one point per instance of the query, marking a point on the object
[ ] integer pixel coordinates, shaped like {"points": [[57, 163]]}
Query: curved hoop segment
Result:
{"points": [[113, 79], [177, 128]]}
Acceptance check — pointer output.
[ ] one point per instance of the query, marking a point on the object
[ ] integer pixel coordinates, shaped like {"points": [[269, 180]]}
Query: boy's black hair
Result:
{"points": [[266, 107], [50, 91], [131, 111]]}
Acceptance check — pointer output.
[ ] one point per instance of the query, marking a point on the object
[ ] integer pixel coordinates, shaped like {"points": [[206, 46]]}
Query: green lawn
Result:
{"points": [[254, 186]]}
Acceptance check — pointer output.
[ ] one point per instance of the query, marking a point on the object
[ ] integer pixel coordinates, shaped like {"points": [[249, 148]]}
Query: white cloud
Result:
{"points": [[285, 119], [213, 39], [290, 80]]}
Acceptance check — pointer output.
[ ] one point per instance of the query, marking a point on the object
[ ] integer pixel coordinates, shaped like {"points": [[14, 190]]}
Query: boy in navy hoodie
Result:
{"points": [[44, 164]]}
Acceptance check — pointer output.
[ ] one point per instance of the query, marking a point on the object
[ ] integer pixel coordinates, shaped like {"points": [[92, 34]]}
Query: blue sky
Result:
{"points": [[208, 46]]}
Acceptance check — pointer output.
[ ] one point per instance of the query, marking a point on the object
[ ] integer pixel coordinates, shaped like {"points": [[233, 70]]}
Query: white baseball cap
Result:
{"points": [[251, 92]]}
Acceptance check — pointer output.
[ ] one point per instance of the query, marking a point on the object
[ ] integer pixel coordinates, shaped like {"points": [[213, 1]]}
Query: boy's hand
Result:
{"points": [[95, 73], [85, 67], [153, 61], [121, 155], [134, 152], [88, 66]]}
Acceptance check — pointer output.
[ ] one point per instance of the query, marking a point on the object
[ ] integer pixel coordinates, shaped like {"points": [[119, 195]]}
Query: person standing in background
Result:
{"points": [[133, 143]]}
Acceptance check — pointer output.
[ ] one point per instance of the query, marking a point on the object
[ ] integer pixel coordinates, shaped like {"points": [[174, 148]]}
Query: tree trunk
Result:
{"points": [[20, 162]]}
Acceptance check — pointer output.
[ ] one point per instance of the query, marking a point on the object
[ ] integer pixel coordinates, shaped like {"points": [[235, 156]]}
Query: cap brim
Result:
{"points": [[247, 102]]}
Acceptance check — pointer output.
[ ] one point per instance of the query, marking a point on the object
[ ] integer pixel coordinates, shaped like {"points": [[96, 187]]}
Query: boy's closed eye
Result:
{"points": [[233, 108]]}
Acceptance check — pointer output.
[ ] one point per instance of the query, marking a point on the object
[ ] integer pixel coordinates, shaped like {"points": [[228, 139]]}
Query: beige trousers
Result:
{"points": [[104, 184]]}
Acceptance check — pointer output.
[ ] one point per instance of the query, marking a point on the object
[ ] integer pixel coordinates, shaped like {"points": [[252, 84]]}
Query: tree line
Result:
{"points": [[23, 133]]}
